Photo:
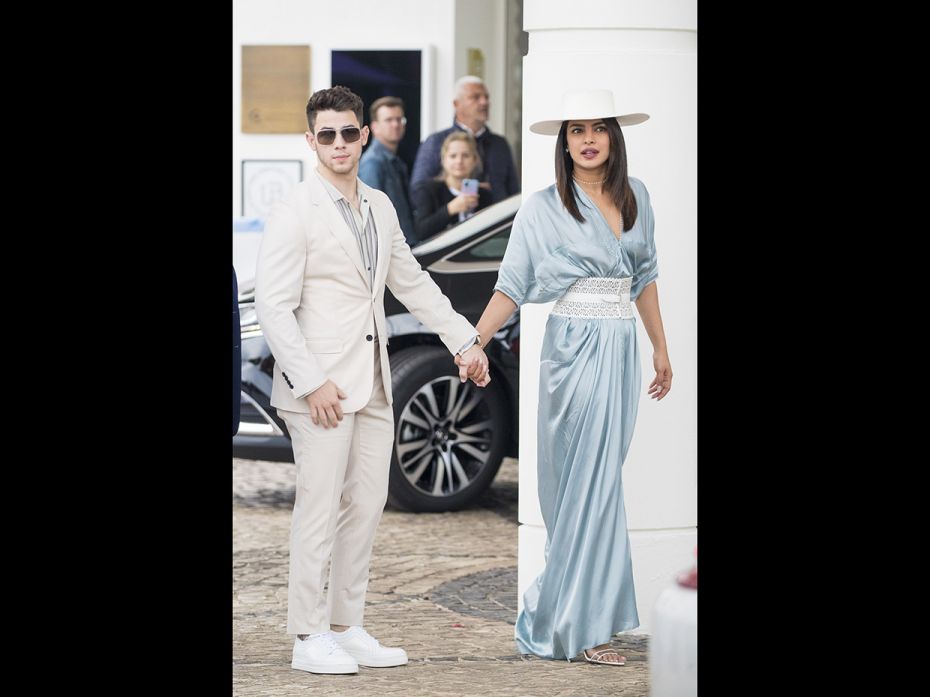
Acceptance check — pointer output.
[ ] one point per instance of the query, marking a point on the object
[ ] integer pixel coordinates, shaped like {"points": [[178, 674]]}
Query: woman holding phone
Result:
{"points": [[453, 196], [588, 243]]}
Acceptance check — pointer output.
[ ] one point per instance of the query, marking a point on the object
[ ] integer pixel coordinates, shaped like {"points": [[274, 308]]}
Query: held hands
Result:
{"points": [[474, 364], [325, 408], [662, 382]]}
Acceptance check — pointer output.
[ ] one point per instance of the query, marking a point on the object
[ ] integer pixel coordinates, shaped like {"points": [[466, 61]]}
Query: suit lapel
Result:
{"points": [[337, 226], [384, 241]]}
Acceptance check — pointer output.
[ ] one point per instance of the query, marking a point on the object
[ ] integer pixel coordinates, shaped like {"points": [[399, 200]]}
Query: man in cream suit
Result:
{"points": [[329, 249]]}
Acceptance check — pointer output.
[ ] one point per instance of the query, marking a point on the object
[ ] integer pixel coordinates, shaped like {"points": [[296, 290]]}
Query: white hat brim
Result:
{"points": [[551, 127]]}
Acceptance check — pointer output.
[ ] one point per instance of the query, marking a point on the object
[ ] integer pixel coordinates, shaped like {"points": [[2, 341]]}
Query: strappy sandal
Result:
{"points": [[596, 657]]}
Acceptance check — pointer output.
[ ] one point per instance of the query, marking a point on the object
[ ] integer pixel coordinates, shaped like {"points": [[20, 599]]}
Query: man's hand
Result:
{"points": [[474, 364], [325, 408]]}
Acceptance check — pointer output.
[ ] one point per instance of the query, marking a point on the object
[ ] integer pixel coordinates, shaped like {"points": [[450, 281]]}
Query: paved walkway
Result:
{"points": [[443, 586]]}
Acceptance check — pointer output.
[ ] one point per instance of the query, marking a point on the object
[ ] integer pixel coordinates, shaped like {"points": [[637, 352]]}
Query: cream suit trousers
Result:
{"points": [[342, 485]]}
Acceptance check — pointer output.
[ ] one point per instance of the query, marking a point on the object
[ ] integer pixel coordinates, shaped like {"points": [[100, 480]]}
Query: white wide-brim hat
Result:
{"points": [[583, 105]]}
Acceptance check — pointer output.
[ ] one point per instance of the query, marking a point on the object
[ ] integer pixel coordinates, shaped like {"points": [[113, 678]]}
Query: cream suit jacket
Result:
{"points": [[315, 305]]}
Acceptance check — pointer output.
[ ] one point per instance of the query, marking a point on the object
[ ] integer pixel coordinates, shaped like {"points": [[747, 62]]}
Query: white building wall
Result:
{"points": [[428, 25], [481, 24]]}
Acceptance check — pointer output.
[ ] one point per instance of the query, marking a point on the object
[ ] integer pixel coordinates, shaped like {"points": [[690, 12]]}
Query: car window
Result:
{"points": [[491, 248]]}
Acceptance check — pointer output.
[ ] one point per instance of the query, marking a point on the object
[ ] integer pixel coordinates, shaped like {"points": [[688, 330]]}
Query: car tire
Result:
{"points": [[433, 442]]}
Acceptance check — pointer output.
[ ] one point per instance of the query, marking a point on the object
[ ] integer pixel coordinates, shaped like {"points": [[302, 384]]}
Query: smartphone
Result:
{"points": [[470, 186]]}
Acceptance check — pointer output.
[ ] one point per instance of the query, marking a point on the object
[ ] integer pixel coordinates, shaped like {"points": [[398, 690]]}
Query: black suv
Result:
{"points": [[450, 437]]}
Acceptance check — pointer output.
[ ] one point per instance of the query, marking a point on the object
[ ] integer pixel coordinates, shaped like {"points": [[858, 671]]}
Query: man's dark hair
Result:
{"points": [[337, 98], [617, 185], [383, 101]]}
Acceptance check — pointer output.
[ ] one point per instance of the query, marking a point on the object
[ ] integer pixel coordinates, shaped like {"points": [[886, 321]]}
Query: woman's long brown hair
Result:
{"points": [[616, 184]]}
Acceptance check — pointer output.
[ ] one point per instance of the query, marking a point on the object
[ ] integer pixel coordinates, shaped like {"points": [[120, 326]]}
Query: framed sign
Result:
{"points": [[275, 88], [265, 181]]}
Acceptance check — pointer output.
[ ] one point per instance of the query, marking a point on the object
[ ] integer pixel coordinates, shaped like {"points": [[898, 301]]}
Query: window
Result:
{"points": [[492, 247]]}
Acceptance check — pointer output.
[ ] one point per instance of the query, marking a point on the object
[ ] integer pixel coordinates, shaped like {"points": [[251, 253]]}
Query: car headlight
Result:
{"points": [[248, 321]]}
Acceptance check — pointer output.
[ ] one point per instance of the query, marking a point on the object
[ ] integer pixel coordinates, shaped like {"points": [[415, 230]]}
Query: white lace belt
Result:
{"points": [[596, 298]]}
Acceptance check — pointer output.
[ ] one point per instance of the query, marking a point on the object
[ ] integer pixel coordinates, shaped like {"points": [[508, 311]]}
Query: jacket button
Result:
{"points": [[370, 337]]}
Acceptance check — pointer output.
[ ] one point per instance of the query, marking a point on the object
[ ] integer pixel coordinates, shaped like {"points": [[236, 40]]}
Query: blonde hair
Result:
{"points": [[465, 138]]}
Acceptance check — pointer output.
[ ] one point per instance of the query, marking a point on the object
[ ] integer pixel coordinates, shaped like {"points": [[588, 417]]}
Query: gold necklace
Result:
{"points": [[587, 182]]}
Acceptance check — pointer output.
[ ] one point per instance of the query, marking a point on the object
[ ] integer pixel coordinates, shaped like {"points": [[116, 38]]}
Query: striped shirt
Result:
{"points": [[360, 223]]}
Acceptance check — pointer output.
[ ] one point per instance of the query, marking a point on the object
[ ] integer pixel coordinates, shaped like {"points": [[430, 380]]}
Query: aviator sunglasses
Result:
{"points": [[350, 134]]}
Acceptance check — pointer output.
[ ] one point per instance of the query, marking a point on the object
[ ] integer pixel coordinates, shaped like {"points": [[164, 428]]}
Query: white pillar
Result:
{"points": [[646, 52]]}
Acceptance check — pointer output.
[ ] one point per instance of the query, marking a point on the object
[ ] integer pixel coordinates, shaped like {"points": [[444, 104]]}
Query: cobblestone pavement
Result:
{"points": [[443, 586]]}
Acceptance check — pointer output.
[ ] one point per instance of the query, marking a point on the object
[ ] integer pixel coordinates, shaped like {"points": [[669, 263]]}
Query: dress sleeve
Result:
{"points": [[646, 268], [517, 277]]}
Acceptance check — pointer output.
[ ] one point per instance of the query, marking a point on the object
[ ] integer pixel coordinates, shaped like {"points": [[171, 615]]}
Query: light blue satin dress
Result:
{"points": [[589, 390]]}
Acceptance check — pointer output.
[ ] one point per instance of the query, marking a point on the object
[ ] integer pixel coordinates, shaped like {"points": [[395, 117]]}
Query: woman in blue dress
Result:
{"points": [[587, 242]]}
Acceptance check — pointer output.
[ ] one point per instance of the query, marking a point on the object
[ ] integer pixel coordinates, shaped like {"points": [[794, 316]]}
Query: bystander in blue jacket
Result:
{"points": [[381, 168]]}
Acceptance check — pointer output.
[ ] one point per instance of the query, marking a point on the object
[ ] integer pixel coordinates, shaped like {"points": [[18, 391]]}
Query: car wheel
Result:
{"points": [[449, 436]]}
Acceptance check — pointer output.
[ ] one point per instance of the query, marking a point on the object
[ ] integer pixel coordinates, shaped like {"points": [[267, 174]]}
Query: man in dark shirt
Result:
{"points": [[381, 168], [471, 115]]}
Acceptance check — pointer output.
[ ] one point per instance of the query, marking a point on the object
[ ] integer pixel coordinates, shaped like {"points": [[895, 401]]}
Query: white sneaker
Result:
{"points": [[318, 653], [367, 650]]}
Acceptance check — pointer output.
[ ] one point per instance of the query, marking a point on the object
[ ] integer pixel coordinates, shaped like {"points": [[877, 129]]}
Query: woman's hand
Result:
{"points": [[662, 382], [462, 203]]}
